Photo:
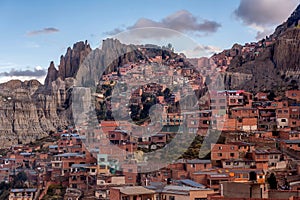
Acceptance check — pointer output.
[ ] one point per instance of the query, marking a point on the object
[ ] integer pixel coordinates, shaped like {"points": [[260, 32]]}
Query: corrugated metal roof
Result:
{"points": [[134, 190], [191, 183]]}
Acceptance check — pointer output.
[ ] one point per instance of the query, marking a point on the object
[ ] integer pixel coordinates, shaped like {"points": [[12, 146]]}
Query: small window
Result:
{"points": [[220, 154], [102, 166], [171, 197], [220, 147], [231, 154]]}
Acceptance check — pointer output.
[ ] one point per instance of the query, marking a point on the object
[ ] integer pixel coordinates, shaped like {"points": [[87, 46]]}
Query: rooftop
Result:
{"points": [[134, 190]]}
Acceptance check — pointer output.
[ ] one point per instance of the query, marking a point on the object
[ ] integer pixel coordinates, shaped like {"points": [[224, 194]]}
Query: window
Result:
{"points": [[283, 120], [227, 163], [231, 154], [222, 100], [220, 147], [171, 197], [232, 147], [222, 107], [102, 166], [130, 170], [220, 154], [212, 101], [205, 122], [71, 163]]}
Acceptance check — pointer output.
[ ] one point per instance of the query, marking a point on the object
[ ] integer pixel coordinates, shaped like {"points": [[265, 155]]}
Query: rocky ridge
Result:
{"points": [[270, 65]]}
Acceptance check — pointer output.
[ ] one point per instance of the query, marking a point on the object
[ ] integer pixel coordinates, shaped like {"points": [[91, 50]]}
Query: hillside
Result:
{"points": [[271, 64]]}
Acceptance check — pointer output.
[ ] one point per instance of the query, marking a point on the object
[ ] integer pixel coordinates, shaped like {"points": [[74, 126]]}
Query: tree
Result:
{"points": [[271, 96], [272, 181], [19, 180], [170, 47]]}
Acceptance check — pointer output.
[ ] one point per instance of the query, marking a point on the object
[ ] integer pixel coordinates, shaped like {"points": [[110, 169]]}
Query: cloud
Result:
{"points": [[43, 31], [181, 21], [260, 15], [200, 51], [114, 32], [37, 72]]}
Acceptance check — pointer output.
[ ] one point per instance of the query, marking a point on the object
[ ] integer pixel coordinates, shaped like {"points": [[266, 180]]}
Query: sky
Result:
{"points": [[34, 32]]}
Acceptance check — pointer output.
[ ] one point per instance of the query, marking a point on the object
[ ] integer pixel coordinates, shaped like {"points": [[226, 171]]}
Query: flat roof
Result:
{"points": [[24, 190], [292, 141], [193, 161], [191, 183], [69, 155], [134, 190]]}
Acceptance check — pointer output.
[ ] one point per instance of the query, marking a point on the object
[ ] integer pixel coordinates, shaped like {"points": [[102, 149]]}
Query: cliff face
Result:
{"points": [[24, 117], [30, 110], [271, 65]]}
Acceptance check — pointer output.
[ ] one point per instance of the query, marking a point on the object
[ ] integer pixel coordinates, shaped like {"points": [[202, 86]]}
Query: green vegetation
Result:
{"points": [[272, 181], [17, 182], [55, 192]]}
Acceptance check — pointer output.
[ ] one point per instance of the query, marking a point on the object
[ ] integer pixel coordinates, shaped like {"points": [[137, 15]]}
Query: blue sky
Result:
{"points": [[33, 33]]}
